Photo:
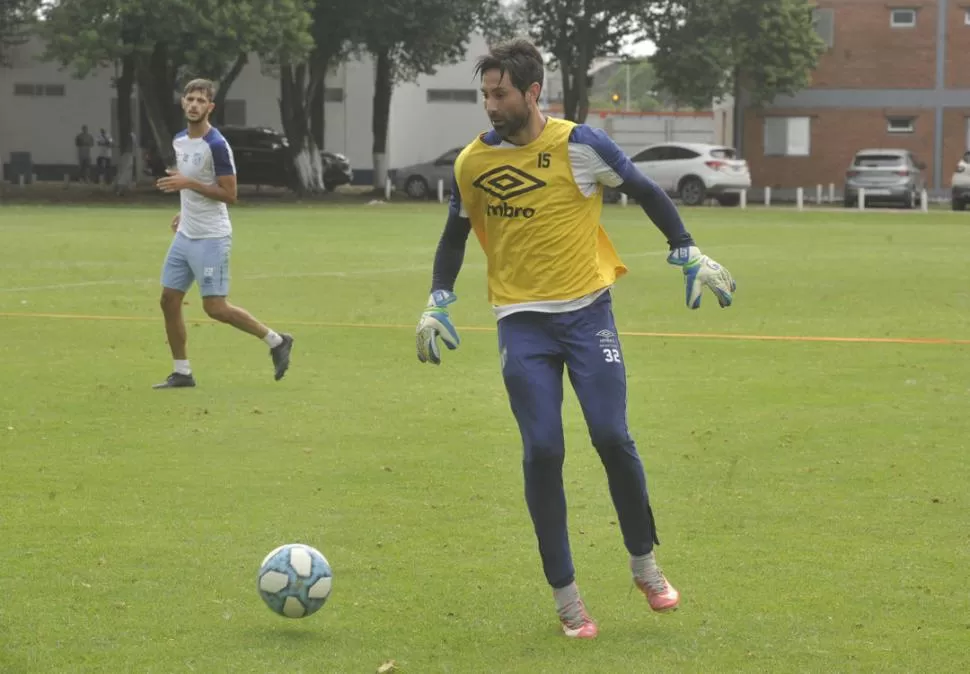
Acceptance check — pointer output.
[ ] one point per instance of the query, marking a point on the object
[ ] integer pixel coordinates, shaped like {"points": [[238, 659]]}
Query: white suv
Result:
{"points": [[696, 171], [960, 184]]}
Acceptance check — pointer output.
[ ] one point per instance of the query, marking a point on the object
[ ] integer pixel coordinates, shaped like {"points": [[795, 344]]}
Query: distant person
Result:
{"points": [[105, 145], [84, 141]]}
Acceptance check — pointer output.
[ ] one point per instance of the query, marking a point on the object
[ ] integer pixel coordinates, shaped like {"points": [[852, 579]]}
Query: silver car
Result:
{"points": [[886, 176], [420, 181]]}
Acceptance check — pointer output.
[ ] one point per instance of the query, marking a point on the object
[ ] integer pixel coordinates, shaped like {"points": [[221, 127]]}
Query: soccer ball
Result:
{"points": [[294, 580]]}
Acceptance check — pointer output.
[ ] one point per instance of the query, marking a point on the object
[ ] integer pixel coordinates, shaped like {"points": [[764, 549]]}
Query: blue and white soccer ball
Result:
{"points": [[294, 580]]}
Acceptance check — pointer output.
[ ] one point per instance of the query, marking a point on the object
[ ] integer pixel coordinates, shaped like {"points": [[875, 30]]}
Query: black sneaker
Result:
{"points": [[177, 380], [281, 356]]}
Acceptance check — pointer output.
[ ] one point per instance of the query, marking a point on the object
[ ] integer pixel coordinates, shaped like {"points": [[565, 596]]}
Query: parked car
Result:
{"points": [[960, 184], [336, 170], [886, 176], [695, 171], [262, 157], [420, 181]]}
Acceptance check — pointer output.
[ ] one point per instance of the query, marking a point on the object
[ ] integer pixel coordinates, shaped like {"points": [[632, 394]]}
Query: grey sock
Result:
{"points": [[645, 568], [568, 604]]}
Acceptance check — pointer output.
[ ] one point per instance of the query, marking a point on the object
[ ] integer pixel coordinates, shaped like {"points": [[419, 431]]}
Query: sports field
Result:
{"points": [[807, 453]]}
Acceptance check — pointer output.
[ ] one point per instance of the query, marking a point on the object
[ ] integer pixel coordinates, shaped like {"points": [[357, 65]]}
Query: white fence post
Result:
{"points": [[387, 190], [862, 199], [744, 198], [767, 196], [831, 193], [623, 199], [799, 198], [818, 194], [441, 191], [924, 201]]}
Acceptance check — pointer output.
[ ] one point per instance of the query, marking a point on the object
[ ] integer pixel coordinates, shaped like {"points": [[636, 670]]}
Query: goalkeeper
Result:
{"points": [[531, 189]]}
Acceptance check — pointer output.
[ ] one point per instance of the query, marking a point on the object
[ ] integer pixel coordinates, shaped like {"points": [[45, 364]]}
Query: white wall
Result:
{"points": [[46, 126], [419, 130]]}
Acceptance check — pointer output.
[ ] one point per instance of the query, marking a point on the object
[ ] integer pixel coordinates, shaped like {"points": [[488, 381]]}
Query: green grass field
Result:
{"points": [[812, 496]]}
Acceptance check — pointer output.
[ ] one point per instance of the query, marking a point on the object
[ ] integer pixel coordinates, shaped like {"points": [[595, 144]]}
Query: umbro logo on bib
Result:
{"points": [[506, 182]]}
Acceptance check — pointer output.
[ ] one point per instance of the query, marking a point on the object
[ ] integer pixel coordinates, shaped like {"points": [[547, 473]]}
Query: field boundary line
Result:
{"points": [[939, 341]]}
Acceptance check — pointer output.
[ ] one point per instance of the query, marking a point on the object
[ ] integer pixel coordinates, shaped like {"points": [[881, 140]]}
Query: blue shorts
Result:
{"points": [[202, 260]]}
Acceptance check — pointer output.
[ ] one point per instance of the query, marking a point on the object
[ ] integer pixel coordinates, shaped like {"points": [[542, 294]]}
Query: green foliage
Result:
{"points": [[574, 32], [202, 36], [16, 20], [706, 49]]}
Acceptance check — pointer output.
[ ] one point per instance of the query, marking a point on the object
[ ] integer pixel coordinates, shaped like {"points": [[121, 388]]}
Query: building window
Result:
{"points": [[902, 18], [29, 89], [900, 125], [333, 95], [966, 17], [452, 96], [788, 136], [823, 20]]}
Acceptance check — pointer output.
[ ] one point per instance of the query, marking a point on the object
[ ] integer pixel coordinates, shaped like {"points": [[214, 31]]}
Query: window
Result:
{"points": [[966, 17], [967, 140], [902, 18], [448, 157], [823, 20], [30, 89], [788, 136], [333, 95], [653, 154], [452, 96], [681, 153], [900, 125], [878, 160]]}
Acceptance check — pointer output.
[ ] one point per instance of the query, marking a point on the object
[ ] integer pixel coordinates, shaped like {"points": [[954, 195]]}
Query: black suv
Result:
{"points": [[262, 158]]}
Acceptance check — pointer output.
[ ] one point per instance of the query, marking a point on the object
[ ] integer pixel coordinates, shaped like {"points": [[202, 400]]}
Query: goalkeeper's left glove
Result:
{"points": [[435, 323], [700, 271]]}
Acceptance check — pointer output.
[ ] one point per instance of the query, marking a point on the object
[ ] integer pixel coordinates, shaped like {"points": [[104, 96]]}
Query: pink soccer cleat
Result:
{"points": [[661, 595], [580, 626]]}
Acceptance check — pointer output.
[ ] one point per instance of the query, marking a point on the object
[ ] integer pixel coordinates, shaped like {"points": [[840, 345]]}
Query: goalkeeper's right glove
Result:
{"points": [[435, 323]]}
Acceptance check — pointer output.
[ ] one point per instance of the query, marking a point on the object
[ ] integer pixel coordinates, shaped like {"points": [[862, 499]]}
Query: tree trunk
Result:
{"points": [[318, 72], [737, 115], [568, 90], [158, 111], [126, 148], [581, 75], [307, 163], [222, 91], [383, 88]]}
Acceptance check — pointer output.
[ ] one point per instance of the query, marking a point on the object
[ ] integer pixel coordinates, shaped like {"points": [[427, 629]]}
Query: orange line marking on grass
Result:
{"points": [[943, 341]]}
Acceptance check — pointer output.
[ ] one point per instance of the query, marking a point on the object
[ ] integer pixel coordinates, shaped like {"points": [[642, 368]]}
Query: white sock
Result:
{"points": [[273, 339], [182, 367]]}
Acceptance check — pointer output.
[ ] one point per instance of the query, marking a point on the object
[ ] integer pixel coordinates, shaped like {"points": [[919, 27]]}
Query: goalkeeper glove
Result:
{"points": [[435, 323], [700, 271]]}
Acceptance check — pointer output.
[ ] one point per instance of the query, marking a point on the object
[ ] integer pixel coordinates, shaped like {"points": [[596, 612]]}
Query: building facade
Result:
{"points": [[42, 109], [894, 75]]}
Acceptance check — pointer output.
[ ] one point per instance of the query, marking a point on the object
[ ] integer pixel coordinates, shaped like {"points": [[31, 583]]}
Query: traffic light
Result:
{"points": [[616, 99]]}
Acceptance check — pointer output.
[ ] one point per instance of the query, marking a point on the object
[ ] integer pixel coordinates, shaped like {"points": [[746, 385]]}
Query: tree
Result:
{"points": [[575, 32], [16, 20], [335, 27], [409, 38], [158, 43], [709, 49]]}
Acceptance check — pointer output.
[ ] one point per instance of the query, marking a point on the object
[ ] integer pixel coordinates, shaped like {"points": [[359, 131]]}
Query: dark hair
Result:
{"points": [[207, 87], [519, 58]]}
